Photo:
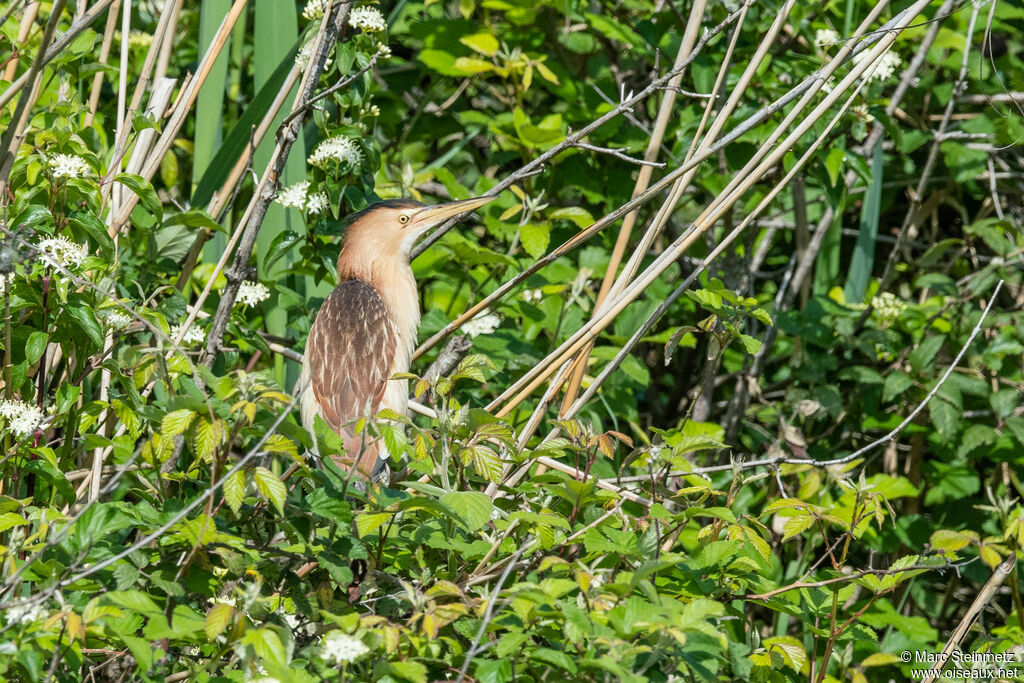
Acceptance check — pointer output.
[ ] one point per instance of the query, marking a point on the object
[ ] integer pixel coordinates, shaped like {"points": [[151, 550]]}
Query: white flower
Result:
{"points": [[69, 166], [338, 148], [252, 293], [60, 251], [118, 320], [884, 68], [533, 295], [5, 280], [294, 196], [25, 614], [825, 36], [314, 9], [306, 53], [22, 418], [317, 203], [888, 307], [342, 648], [383, 50], [194, 335], [481, 324], [367, 18]]}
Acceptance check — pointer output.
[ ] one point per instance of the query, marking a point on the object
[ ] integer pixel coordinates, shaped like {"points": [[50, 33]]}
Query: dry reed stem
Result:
{"points": [[984, 597], [28, 20], [814, 79], [715, 253], [181, 110], [740, 184], [643, 178], [167, 44], [97, 79], [15, 133], [160, 34]]}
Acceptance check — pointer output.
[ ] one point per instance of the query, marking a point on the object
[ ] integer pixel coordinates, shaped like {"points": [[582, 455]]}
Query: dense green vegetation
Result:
{"points": [[790, 447]]}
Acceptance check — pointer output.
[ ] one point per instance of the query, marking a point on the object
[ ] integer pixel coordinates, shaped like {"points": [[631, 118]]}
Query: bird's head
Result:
{"points": [[392, 227]]}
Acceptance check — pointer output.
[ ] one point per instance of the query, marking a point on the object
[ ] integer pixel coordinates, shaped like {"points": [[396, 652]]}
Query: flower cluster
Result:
{"points": [[342, 648], [139, 39], [61, 252], [194, 335], [22, 418], [25, 614], [252, 293], [338, 148], [306, 53], [69, 166], [117, 320], [369, 19], [317, 203], [314, 9], [882, 69], [481, 324], [888, 307], [825, 36], [533, 296], [294, 196]]}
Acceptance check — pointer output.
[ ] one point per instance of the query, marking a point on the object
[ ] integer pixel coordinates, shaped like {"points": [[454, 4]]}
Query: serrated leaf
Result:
{"points": [[535, 238], [234, 490], [217, 620], [176, 422], [472, 507], [270, 486], [485, 462], [368, 522]]}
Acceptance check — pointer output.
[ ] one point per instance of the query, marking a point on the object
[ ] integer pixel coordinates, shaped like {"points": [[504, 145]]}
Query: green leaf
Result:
{"points": [[895, 384], [495, 671], [271, 486], [145, 192], [93, 227], [535, 238], [267, 646], [217, 620], [368, 522], [924, 354], [409, 671], [176, 422], [234, 490], [474, 508], [87, 323], [577, 214], [484, 43], [35, 346], [864, 251]]}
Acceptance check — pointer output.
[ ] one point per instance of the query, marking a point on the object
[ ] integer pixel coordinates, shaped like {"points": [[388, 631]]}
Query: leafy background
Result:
{"points": [[723, 506]]}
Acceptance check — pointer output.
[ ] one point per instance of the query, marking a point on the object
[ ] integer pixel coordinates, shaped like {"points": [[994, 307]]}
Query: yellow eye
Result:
{"points": [[403, 219]]}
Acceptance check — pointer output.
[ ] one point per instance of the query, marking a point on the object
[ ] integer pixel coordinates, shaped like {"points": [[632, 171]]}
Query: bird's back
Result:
{"points": [[349, 359]]}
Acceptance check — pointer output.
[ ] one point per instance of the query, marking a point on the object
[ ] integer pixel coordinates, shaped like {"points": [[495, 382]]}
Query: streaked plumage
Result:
{"points": [[365, 331]]}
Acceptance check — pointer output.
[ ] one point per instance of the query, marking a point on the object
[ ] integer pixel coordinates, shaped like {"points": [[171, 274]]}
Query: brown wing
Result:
{"points": [[351, 352]]}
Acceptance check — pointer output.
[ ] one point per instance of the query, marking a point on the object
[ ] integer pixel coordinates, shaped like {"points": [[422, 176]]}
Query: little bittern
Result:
{"points": [[365, 331]]}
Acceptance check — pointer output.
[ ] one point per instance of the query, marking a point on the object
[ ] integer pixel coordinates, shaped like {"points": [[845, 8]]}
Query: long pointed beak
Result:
{"points": [[430, 216]]}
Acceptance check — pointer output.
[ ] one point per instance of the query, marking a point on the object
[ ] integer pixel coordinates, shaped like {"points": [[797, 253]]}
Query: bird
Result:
{"points": [[365, 331]]}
